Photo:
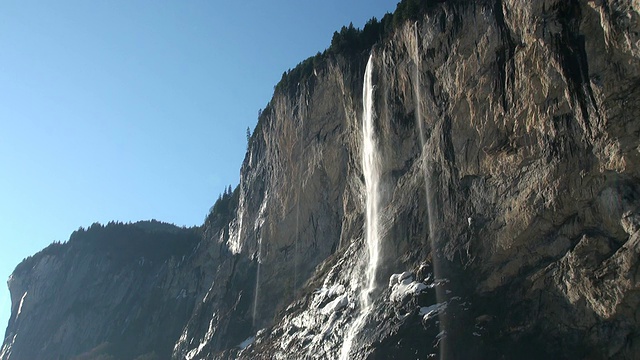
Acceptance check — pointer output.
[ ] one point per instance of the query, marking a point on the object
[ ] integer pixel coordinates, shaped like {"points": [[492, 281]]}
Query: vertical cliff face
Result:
{"points": [[299, 200], [523, 192], [508, 139]]}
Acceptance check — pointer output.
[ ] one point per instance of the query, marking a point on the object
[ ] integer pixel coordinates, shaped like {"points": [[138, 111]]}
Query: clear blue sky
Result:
{"points": [[132, 110]]}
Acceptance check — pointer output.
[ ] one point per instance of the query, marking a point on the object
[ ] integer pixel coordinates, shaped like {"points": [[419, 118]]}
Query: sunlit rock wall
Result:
{"points": [[528, 176]]}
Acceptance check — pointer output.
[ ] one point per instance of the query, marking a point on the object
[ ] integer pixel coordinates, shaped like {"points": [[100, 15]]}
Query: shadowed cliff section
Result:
{"points": [[101, 294]]}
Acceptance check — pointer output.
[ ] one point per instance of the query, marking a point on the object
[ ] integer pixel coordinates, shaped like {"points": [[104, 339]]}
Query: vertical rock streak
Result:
{"points": [[428, 189]]}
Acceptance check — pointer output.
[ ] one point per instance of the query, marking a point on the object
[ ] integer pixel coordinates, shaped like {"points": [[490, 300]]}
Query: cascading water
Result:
{"points": [[296, 250], [297, 239], [371, 170], [440, 297]]}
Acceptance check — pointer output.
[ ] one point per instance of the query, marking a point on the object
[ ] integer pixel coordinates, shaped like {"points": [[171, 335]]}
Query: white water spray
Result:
{"points": [[371, 170]]}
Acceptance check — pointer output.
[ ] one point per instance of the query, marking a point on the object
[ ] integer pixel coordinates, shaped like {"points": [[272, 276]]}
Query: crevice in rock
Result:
{"points": [[504, 55]]}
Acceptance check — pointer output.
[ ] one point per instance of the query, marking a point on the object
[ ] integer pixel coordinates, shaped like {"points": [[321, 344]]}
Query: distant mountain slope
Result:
{"points": [[109, 291]]}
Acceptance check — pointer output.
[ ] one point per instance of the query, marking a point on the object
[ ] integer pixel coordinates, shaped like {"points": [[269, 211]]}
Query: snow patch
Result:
{"points": [[336, 304], [206, 296], [402, 286], [6, 349], [331, 291], [207, 337], [438, 282], [397, 278], [429, 312]]}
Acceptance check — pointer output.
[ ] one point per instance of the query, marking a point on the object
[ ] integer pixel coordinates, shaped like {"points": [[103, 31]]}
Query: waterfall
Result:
{"points": [[428, 186], [416, 92], [371, 171], [300, 133]]}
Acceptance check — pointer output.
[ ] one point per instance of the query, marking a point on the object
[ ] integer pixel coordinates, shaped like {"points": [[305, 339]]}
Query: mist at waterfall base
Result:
{"points": [[128, 111]]}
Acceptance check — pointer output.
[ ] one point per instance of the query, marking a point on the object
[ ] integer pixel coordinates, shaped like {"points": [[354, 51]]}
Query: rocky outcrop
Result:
{"points": [[509, 141]]}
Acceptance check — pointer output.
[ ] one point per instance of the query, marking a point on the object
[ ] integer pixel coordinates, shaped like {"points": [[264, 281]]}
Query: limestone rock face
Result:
{"points": [[508, 133]]}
